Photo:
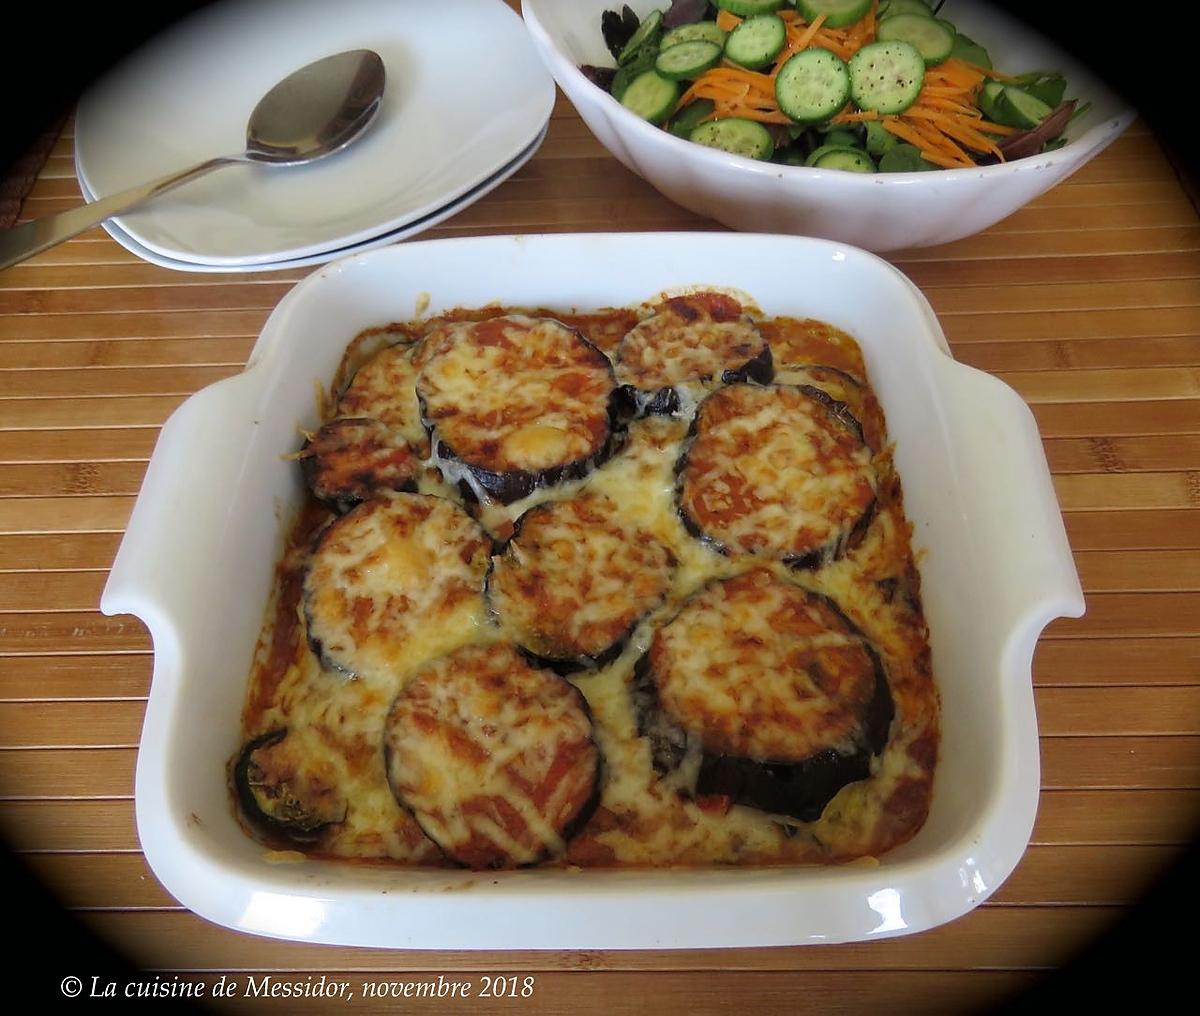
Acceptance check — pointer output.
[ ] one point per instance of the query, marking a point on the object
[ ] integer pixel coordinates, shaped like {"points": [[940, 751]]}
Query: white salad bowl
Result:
{"points": [[197, 565], [878, 211]]}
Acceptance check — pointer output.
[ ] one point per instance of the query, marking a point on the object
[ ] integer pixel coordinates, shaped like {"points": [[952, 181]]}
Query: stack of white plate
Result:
{"points": [[467, 103]]}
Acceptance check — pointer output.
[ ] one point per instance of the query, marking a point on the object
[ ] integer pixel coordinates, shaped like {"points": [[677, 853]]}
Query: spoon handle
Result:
{"points": [[31, 238]]}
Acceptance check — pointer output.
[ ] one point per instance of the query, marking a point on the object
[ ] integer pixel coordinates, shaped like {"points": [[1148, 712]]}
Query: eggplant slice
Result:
{"points": [[782, 695], [575, 579], [780, 471], [281, 793], [384, 388], [349, 460], [689, 340], [514, 403], [495, 759], [393, 571]]}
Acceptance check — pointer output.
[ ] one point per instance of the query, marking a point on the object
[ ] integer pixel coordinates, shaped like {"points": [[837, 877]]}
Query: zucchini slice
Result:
{"points": [[651, 96], [757, 41], [812, 85], [646, 35], [780, 471], [574, 580], [349, 460], [748, 8], [690, 340], [514, 403], [283, 792], [494, 759], [932, 40], [389, 576], [843, 157], [735, 135], [795, 712], [838, 13], [1021, 109], [709, 31], [687, 60], [886, 76]]}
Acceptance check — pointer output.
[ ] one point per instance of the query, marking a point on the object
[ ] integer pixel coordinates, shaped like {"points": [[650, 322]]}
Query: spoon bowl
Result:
{"points": [[318, 110], [312, 113]]}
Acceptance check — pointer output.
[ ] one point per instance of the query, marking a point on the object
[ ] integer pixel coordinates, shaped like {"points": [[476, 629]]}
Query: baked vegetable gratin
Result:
{"points": [[632, 587]]}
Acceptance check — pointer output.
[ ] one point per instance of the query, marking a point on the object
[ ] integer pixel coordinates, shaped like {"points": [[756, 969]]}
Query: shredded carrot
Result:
{"points": [[944, 123]]}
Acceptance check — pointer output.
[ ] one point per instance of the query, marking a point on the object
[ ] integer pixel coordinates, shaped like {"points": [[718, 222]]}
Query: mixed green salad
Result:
{"points": [[860, 85]]}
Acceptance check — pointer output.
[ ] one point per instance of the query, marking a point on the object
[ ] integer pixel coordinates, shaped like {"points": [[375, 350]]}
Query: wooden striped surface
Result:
{"points": [[1087, 302]]}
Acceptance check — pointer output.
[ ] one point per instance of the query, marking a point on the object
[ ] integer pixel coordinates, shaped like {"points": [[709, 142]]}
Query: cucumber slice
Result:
{"points": [[989, 102], [841, 157], [948, 25], [931, 40], [644, 61], [886, 76], [746, 8], [1023, 109], [879, 140], [647, 34], [893, 7], [737, 136], [688, 119], [840, 138], [757, 41], [838, 13], [812, 85], [651, 96], [688, 59], [709, 31]]}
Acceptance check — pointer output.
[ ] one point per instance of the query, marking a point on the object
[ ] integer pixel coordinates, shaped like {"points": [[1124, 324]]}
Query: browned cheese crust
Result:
{"points": [[576, 578], [515, 393], [773, 471], [691, 338], [493, 757], [758, 668]]}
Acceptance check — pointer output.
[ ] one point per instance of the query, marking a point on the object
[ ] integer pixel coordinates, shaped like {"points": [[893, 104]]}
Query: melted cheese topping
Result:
{"points": [[758, 668], [642, 818], [516, 393], [347, 460], [771, 471], [390, 569], [576, 577], [494, 758], [691, 338], [384, 389]]}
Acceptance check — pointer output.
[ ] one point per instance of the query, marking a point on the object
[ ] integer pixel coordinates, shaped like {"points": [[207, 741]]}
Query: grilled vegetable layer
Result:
{"points": [[494, 758], [286, 789], [384, 389], [693, 338], [780, 692], [779, 471], [385, 571], [518, 401], [349, 460], [575, 579]]}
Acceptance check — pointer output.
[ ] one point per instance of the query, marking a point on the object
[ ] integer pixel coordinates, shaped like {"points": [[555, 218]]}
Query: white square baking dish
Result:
{"points": [[196, 565]]}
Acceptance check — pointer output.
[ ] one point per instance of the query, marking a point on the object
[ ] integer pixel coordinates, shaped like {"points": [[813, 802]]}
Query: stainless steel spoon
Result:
{"points": [[311, 113]]}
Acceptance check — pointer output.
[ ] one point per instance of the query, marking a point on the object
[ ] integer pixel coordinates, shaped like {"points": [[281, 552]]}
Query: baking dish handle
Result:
{"points": [[1007, 492], [183, 508]]}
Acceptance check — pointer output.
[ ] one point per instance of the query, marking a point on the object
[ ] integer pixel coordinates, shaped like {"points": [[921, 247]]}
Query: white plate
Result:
{"points": [[412, 229], [197, 564], [466, 93]]}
